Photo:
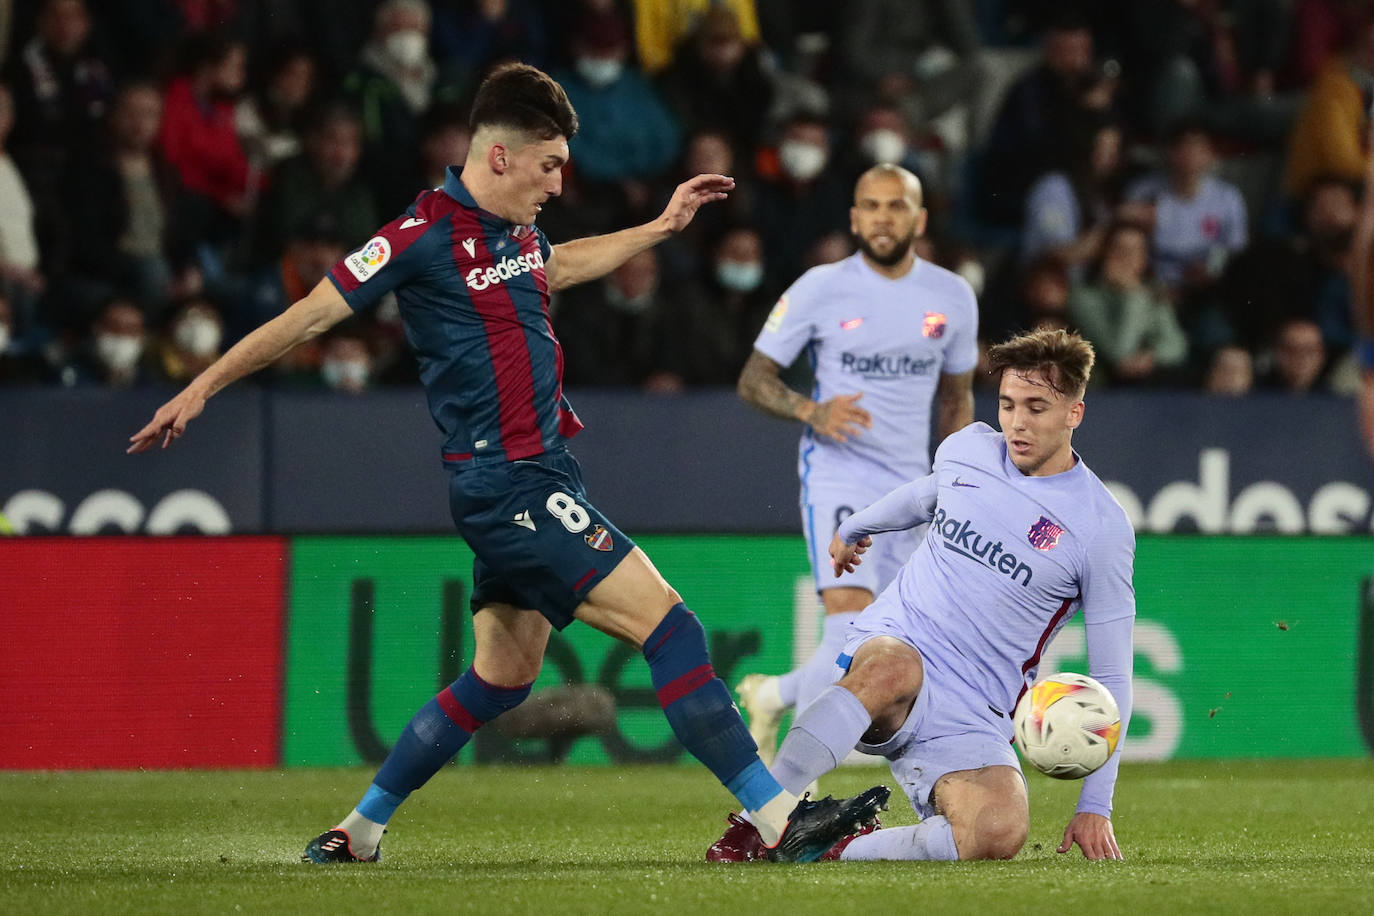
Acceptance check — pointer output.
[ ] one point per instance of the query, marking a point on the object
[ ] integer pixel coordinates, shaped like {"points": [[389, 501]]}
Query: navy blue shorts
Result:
{"points": [[540, 544]]}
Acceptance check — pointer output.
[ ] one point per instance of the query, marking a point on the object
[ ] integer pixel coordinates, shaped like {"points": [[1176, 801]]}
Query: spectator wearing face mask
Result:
{"points": [[194, 337], [346, 363], [627, 133], [800, 199], [114, 353], [395, 79], [711, 332]]}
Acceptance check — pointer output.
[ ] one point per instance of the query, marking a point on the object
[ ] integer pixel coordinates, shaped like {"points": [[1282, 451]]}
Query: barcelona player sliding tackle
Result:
{"points": [[472, 276], [1022, 535]]}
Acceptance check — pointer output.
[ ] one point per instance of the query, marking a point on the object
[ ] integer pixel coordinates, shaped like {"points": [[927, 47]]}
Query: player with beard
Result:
{"points": [[890, 337]]}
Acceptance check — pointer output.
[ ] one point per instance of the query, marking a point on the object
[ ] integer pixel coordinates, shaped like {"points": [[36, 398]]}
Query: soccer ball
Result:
{"points": [[1067, 725]]}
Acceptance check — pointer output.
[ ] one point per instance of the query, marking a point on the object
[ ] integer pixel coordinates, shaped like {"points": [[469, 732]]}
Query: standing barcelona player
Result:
{"points": [[897, 332], [472, 276], [1021, 536]]}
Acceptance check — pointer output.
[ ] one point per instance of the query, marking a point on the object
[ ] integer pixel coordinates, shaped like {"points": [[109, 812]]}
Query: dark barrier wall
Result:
{"points": [[317, 463]]}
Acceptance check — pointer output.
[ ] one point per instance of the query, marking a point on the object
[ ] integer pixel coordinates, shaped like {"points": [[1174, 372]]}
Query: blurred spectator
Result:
{"points": [[1297, 360], [1298, 276], [921, 55], [1041, 111], [1042, 300], [20, 279], [626, 131], [324, 179], [1133, 329], [1068, 212], [114, 354], [124, 198], [707, 152], [1231, 372], [395, 79], [194, 337], [346, 362], [1318, 29], [199, 140], [444, 141], [1328, 136], [710, 333], [62, 90], [829, 248], [662, 26], [18, 364], [882, 137], [311, 248], [472, 35], [1199, 220], [718, 80], [804, 200], [270, 118], [612, 329]]}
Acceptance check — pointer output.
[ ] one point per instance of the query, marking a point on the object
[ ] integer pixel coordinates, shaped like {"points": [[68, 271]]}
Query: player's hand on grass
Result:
{"points": [[169, 422], [1093, 834], [689, 197], [845, 557], [840, 417]]}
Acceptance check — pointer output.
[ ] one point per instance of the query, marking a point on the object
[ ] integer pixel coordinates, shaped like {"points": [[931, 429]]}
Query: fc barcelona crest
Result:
{"points": [[599, 539], [1044, 534], [933, 324]]}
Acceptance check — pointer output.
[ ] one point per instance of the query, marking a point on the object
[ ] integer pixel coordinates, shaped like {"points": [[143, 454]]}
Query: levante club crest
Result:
{"points": [[1044, 534], [599, 538]]}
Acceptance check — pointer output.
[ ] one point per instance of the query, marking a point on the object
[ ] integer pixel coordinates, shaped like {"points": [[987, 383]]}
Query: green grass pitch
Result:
{"points": [[1223, 837]]}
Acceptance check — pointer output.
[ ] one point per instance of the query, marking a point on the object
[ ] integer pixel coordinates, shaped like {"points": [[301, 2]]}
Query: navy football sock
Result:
{"points": [[700, 711], [431, 738]]}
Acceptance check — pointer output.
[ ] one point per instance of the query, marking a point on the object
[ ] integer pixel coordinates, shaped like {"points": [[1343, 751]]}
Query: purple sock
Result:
{"points": [[823, 734], [931, 840]]}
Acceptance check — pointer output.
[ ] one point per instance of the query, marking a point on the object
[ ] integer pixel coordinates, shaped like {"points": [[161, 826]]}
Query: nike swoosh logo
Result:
{"points": [[412, 222], [960, 482]]}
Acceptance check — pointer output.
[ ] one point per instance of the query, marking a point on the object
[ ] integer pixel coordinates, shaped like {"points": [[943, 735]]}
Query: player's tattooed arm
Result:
{"points": [[954, 402], [761, 385]]}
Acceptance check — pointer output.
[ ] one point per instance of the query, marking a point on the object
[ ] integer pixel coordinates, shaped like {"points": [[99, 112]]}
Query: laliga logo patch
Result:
{"points": [[369, 259], [933, 325], [1044, 534], [599, 539], [776, 316]]}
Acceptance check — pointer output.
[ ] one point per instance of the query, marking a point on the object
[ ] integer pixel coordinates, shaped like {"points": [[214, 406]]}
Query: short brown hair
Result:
{"points": [[1063, 357], [526, 99]]}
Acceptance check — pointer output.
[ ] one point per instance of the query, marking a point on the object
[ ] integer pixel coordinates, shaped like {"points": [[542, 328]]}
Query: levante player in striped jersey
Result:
{"points": [[472, 276]]}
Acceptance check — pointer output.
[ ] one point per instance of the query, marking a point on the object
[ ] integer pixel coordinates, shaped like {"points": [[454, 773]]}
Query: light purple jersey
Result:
{"points": [[1008, 560], [891, 340]]}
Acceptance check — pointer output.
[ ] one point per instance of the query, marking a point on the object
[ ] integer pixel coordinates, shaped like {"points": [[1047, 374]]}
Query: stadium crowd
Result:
{"points": [[1178, 179]]}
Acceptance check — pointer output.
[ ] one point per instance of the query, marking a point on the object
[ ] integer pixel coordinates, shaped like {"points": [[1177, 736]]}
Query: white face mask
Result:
{"points": [[198, 335], [407, 48], [344, 373], [4, 337], [739, 276], [599, 72], [885, 147], [119, 351], [801, 160]]}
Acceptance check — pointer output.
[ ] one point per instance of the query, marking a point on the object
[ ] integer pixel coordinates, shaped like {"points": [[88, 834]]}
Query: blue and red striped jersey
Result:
{"points": [[475, 303]]}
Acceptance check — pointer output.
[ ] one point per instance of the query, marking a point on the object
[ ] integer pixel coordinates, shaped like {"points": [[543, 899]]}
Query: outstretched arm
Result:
{"points": [[586, 259], [309, 317]]}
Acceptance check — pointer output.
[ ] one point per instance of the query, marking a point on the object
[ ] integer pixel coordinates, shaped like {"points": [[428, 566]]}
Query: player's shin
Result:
{"points": [[823, 734], [434, 734], [704, 718]]}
